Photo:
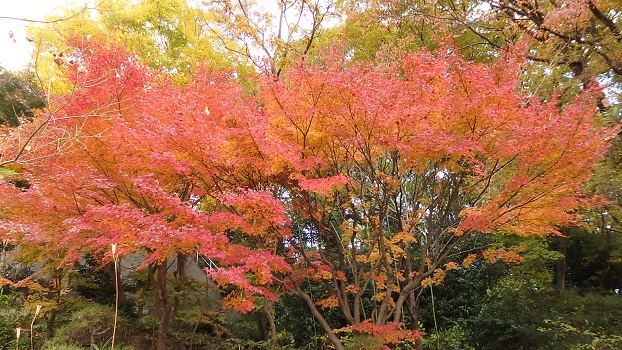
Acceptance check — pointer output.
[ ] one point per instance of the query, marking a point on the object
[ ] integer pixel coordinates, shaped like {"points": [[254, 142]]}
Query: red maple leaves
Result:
{"points": [[133, 159]]}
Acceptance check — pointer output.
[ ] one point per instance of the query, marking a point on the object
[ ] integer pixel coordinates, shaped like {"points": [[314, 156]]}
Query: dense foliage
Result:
{"points": [[392, 190]]}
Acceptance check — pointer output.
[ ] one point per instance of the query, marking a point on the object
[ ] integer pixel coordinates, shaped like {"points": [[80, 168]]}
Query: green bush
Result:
{"points": [[13, 314], [90, 326], [61, 347], [362, 342], [454, 338], [585, 321]]}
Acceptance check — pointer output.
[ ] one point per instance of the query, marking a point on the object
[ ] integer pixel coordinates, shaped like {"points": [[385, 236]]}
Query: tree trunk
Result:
{"points": [[109, 269], [405, 294], [560, 270], [163, 306], [383, 313], [267, 309], [356, 308], [318, 316], [413, 309], [180, 277], [49, 327]]}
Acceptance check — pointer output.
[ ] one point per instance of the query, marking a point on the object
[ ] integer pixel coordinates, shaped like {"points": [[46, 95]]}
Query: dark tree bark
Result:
{"points": [[267, 309], [560, 269], [163, 306]]}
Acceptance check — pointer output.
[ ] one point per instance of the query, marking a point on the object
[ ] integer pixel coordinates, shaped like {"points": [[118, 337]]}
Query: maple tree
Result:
{"points": [[393, 170], [571, 45], [131, 159], [358, 177]]}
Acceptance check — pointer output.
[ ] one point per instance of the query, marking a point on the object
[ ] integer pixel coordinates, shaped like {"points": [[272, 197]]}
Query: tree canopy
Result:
{"points": [[356, 185]]}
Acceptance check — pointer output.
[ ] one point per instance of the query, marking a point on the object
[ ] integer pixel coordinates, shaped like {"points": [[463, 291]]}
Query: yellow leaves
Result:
{"points": [[391, 182], [396, 251], [471, 258], [237, 300], [352, 289], [322, 275], [327, 303], [374, 256], [451, 266], [347, 230], [262, 276], [437, 278], [400, 238], [508, 256], [320, 272], [379, 297], [5, 282], [403, 237], [541, 35], [361, 258]]}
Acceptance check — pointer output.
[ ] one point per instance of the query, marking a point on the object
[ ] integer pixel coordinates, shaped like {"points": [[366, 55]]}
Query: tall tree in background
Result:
{"points": [[179, 35], [582, 36], [18, 96], [274, 34], [169, 35], [570, 41]]}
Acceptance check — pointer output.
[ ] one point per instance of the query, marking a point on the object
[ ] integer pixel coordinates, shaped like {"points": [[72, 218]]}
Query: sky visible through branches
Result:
{"points": [[15, 50]]}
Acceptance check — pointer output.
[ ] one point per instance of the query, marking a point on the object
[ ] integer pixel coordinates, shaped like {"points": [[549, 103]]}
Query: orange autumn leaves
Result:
{"points": [[207, 168], [519, 161]]}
